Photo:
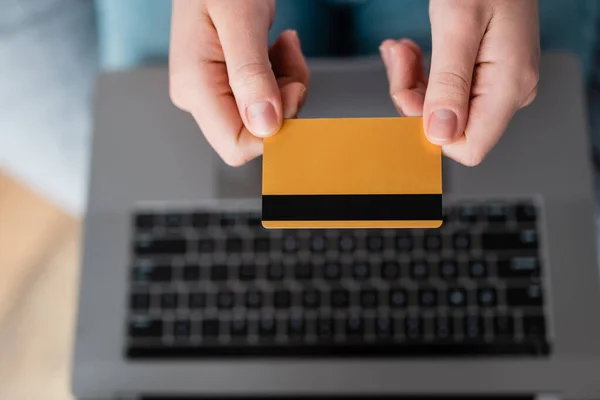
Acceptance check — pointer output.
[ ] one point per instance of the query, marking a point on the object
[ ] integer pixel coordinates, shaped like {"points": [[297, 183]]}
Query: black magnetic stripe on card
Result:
{"points": [[352, 207]]}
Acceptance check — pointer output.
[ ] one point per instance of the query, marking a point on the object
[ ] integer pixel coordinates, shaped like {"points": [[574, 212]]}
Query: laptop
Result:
{"points": [[184, 295]]}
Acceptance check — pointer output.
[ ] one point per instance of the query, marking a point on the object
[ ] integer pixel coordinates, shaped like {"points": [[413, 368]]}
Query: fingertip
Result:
{"points": [[262, 119], [442, 126]]}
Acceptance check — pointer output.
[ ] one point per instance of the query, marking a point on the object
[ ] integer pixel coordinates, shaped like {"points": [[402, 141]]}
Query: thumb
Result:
{"points": [[455, 43], [243, 28]]}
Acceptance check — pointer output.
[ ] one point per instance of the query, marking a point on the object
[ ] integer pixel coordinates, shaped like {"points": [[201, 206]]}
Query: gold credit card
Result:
{"points": [[351, 173]]}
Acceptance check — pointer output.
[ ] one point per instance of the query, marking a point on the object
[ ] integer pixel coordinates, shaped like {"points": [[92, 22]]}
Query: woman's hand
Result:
{"points": [[224, 74], [484, 67]]}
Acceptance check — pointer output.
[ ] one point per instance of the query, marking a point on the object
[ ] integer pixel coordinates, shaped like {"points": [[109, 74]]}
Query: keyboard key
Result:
{"points": [[247, 272], [384, 327], [254, 299], [191, 273], [347, 243], [457, 297], [525, 296], [332, 271], [182, 329], [369, 299], [404, 242], [227, 220], [419, 270], [428, 298], [210, 328], [375, 243], [152, 274], [303, 272], [174, 221], [261, 245], [296, 327], [519, 267], [361, 271], [478, 269], [496, 213], [468, 213], [144, 327], [168, 301], [234, 245], [390, 270], [461, 241], [197, 300], [340, 298], [504, 326], [318, 243], [238, 326], [225, 299], [526, 213], [219, 273], [448, 269], [140, 301], [473, 327], [290, 244], [522, 240], [443, 327], [254, 220], [534, 327], [413, 327], [275, 272], [354, 327], [206, 246], [486, 297], [200, 220], [311, 299], [326, 328], [267, 327], [432, 241], [282, 299], [398, 298], [160, 247], [144, 221]]}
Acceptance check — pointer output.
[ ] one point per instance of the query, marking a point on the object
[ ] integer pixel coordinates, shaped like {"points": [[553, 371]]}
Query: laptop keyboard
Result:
{"points": [[215, 283]]}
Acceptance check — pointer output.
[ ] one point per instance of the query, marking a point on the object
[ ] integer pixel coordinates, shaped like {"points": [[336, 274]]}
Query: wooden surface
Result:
{"points": [[39, 264]]}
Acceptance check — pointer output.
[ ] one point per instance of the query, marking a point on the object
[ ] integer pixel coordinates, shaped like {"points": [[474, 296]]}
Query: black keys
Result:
{"points": [[404, 242], [428, 298], [519, 240], [487, 297], [534, 327], [374, 243], [383, 327], [413, 327], [369, 298], [182, 328], [146, 246], [443, 327], [325, 328], [140, 301], [340, 298], [525, 296], [261, 245], [168, 301], [282, 299], [238, 326], [234, 245], [254, 220], [174, 221], [361, 271], [191, 273], [247, 272], [432, 241], [473, 327], [219, 273], [526, 213], [448, 269], [468, 213], [311, 299], [519, 267], [504, 326], [296, 327], [275, 272], [354, 326], [419, 270], [200, 220], [196, 300], [303, 272], [347, 243], [267, 327], [228, 220], [318, 243], [152, 274], [457, 297], [496, 212], [254, 299], [290, 244], [206, 246], [210, 327], [461, 241], [144, 327], [390, 270], [478, 269], [144, 221], [225, 299], [398, 298], [332, 271]]}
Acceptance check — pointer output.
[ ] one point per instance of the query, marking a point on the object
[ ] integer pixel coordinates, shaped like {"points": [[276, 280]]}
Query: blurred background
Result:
{"points": [[50, 54]]}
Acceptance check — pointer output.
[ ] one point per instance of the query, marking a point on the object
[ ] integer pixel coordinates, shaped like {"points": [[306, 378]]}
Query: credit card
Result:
{"points": [[351, 173]]}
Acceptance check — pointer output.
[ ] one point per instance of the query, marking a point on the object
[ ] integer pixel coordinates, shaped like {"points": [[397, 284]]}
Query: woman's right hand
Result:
{"points": [[223, 72]]}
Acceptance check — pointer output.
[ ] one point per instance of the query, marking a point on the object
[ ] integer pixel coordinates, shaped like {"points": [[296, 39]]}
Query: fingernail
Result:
{"points": [[385, 54], [442, 126], [295, 36], [262, 118]]}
